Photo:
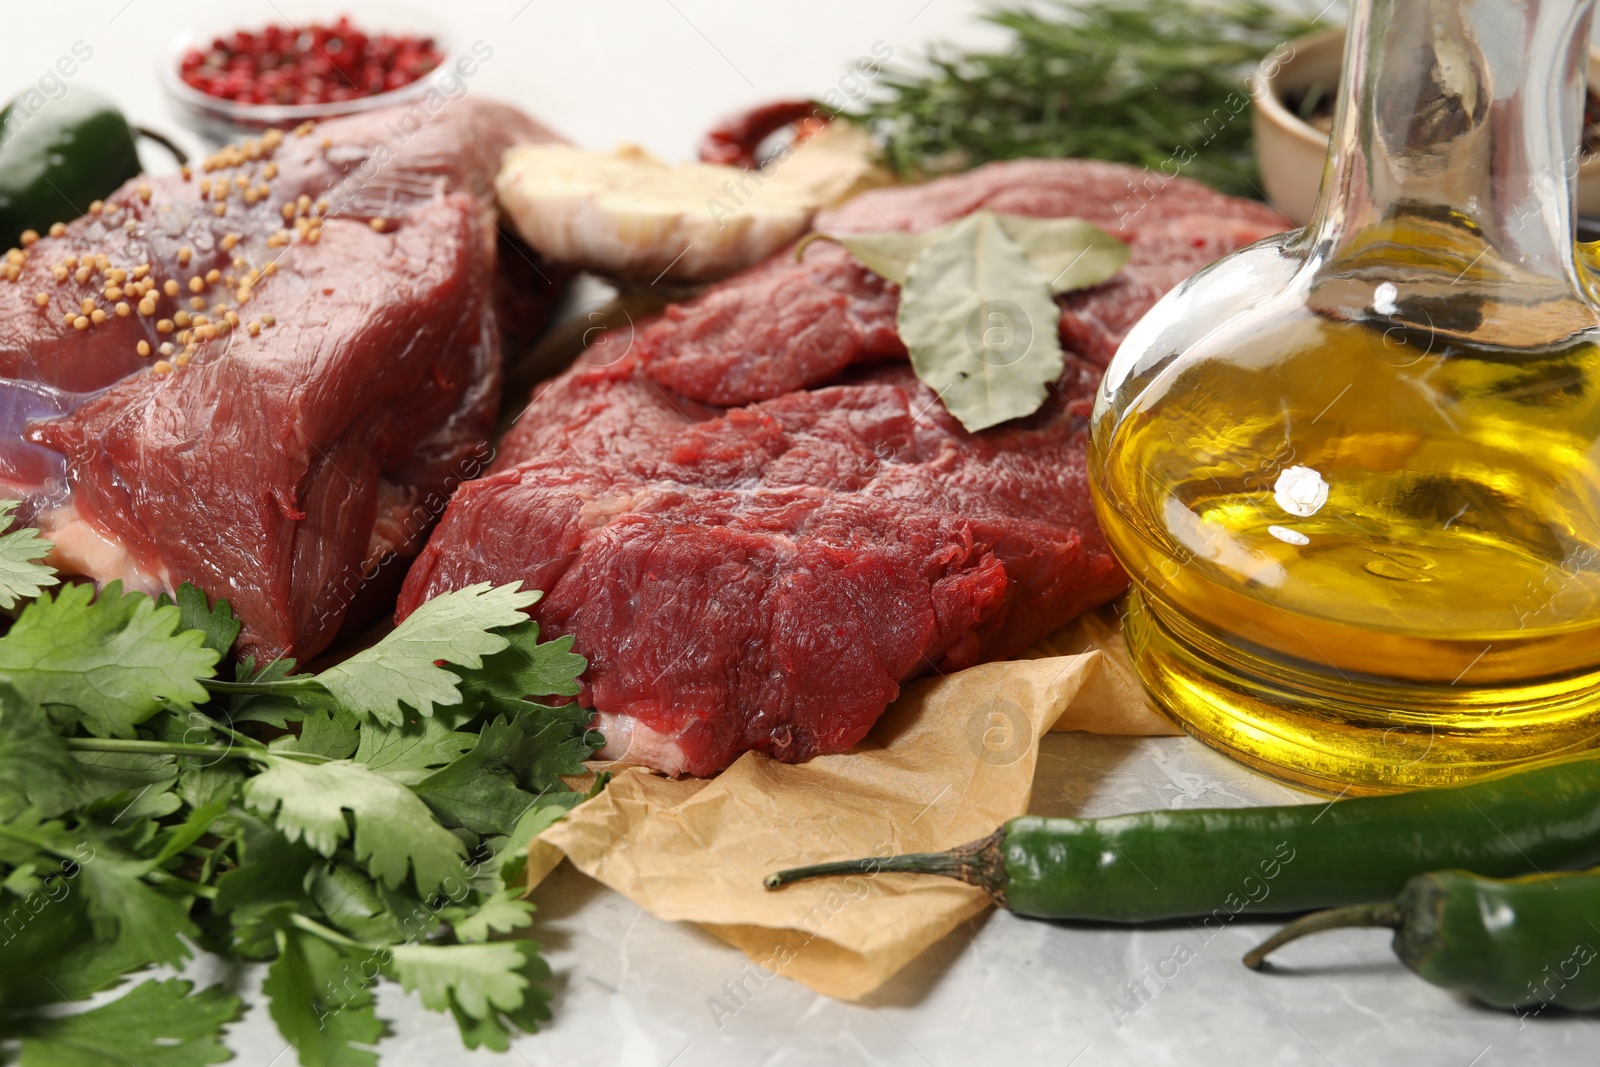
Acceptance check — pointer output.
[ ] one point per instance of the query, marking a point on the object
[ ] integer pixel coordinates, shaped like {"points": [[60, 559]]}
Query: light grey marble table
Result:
{"points": [[632, 990], [635, 991]]}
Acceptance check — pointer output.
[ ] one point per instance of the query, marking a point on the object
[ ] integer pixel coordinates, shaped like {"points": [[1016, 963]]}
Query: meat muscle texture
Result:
{"points": [[294, 453], [758, 523]]}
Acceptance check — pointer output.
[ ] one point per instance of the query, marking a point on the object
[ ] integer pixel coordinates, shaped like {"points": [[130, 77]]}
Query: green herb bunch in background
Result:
{"points": [[1156, 83]]}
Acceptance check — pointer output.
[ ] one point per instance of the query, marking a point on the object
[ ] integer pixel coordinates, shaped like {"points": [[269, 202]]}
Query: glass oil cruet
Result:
{"points": [[1354, 471]]}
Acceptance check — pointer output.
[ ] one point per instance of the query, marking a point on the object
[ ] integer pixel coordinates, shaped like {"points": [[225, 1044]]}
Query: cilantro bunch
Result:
{"points": [[369, 821]]}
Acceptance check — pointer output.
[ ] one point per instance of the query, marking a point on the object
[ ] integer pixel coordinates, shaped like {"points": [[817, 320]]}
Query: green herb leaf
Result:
{"points": [[35, 767], [325, 730], [217, 622], [514, 763], [55, 956], [456, 627], [494, 984], [362, 908], [109, 661], [482, 797], [321, 998], [558, 741], [1069, 253], [409, 753], [980, 325], [123, 908], [156, 1024], [1155, 83], [888, 255], [526, 669], [505, 868], [393, 829], [21, 576], [268, 883], [501, 913], [128, 786]]}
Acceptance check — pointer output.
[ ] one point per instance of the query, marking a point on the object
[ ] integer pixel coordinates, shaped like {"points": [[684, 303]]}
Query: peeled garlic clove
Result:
{"points": [[835, 163], [628, 214]]}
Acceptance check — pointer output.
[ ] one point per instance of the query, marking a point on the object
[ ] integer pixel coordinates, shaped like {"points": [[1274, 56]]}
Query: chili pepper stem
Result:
{"points": [[165, 142], [1385, 913], [978, 863]]}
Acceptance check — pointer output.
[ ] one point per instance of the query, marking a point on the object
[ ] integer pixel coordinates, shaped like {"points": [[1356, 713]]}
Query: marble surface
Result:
{"points": [[632, 990]]}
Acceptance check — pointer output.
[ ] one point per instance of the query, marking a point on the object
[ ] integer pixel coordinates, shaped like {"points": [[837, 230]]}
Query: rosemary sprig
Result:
{"points": [[1136, 81]]}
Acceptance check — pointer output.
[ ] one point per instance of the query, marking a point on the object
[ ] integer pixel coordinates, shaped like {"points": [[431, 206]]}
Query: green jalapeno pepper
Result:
{"points": [[1511, 943], [58, 160], [1201, 862]]}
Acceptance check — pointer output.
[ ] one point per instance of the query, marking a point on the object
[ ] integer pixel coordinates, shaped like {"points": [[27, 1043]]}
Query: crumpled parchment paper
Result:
{"points": [[950, 760]]}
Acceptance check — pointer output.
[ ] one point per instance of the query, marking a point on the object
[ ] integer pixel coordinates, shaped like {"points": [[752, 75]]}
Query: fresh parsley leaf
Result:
{"points": [[268, 883], [500, 913], [558, 740], [314, 847], [367, 910], [109, 661], [156, 1024], [321, 998], [217, 622], [198, 823], [479, 796], [393, 829], [488, 987], [123, 907], [202, 780], [21, 575], [456, 628], [35, 767], [526, 669], [50, 951], [410, 752], [515, 761], [127, 786], [509, 858], [326, 729]]}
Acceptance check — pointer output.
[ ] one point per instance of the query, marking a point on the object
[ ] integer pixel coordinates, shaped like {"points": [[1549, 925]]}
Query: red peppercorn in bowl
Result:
{"points": [[238, 82]]}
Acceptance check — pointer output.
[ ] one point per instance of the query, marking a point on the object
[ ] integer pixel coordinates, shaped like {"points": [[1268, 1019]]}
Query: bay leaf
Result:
{"points": [[1070, 253], [888, 255], [980, 324]]}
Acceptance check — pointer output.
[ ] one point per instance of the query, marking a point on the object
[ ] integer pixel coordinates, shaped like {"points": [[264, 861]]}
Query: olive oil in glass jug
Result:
{"points": [[1354, 471]]}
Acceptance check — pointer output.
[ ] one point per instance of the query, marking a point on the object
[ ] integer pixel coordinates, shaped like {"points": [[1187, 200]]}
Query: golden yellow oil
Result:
{"points": [[1437, 615]]}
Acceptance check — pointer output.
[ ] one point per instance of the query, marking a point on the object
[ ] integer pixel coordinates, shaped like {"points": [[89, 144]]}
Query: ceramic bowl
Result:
{"points": [[1291, 152]]}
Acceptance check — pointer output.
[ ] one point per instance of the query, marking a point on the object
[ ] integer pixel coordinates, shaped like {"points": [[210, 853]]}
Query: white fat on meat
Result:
{"points": [[630, 741], [81, 548]]}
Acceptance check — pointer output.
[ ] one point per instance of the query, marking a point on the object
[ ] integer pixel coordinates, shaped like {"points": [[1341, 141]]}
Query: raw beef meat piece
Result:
{"points": [[348, 275], [765, 577], [784, 325]]}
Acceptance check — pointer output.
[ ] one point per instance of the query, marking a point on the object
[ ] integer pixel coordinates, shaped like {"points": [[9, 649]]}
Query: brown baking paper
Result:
{"points": [[950, 760]]}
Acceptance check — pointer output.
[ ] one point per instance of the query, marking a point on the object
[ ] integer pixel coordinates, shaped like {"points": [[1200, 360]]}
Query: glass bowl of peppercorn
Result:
{"points": [[230, 83]]}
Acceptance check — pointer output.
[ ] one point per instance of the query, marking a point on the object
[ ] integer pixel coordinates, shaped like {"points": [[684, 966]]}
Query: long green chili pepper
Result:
{"points": [[1511, 943], [1222, 861]]}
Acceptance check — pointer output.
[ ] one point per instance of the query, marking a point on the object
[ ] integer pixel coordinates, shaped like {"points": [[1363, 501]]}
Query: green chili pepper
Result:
{"points": [[54, 163], [1511, 943], [1222, 861]]}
